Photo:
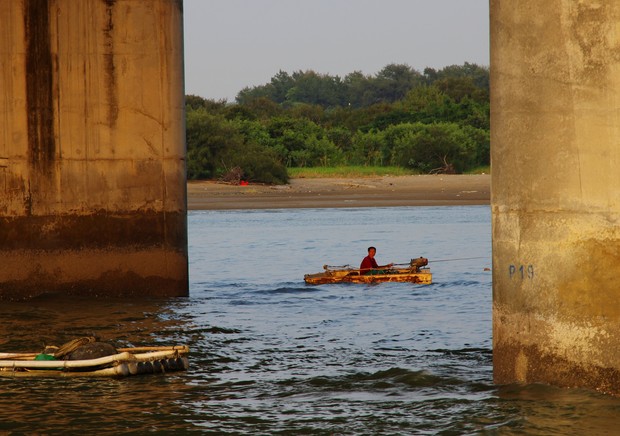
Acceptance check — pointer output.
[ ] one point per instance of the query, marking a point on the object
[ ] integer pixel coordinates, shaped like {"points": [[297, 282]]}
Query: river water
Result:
{"points": [[271, 355]]}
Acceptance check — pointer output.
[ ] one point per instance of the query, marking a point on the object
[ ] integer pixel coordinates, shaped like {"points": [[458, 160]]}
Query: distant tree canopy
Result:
{"points": [[436, 121]]}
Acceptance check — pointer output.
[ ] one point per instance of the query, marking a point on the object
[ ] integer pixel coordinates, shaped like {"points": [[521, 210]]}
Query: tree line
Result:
{"points": [[435, 121]]}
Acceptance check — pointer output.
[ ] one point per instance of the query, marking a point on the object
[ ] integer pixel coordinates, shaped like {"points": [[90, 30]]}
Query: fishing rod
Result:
{"points": [[445, 260], [408, 263]]}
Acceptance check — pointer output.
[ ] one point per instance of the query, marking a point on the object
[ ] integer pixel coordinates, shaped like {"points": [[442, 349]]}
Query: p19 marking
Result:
{"points": [[521, 272]]}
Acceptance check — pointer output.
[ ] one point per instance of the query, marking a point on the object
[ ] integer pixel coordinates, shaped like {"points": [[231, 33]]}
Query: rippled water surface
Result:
{"points": [[271, 355]]}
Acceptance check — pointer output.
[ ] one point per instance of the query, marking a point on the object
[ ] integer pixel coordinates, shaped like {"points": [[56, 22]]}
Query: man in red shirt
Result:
{"points": [[369, 264]]}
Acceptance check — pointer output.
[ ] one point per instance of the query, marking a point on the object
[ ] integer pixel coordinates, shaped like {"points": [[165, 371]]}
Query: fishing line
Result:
{"points": [[462, 258]]}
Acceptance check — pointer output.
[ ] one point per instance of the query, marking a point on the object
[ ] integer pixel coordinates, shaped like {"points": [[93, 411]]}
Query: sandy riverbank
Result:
{"points": [[382, 191]]}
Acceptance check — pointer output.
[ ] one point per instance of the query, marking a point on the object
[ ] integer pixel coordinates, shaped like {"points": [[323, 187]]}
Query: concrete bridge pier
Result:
{"points": [[555, 131], [92, 148]]}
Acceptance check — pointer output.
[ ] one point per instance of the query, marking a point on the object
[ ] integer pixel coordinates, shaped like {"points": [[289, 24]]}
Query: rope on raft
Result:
{"points": [[71, 346]]}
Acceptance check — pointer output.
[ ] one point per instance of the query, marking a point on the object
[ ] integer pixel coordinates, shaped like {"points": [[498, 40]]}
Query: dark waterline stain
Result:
{"points": [[110, 67], [96, 231], [39, 82]]}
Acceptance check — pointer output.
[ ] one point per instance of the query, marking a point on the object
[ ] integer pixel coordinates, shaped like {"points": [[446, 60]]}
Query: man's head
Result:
{"points": [[372, 251]]}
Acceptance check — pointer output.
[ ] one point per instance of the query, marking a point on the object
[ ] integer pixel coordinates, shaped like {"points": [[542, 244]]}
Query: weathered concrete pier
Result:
{"points": [[555, 102], [92, 148]]}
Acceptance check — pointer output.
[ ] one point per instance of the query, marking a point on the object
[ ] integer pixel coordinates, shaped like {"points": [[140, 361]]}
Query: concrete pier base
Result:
{"points": [[92, 148], [555, 133]]}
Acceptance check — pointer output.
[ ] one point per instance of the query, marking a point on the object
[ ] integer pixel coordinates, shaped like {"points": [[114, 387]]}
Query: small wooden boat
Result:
{"points": [[413, 272], [126, 362]]}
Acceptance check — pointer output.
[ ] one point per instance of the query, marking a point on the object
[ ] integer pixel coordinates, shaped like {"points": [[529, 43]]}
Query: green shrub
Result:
{"points": [[259, 164]]}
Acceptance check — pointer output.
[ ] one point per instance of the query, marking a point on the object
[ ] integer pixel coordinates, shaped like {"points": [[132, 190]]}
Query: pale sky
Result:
{"points": [[231, 44]]}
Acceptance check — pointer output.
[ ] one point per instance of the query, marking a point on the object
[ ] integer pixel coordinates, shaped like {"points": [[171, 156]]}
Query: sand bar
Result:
{"points": [[380, 191]]}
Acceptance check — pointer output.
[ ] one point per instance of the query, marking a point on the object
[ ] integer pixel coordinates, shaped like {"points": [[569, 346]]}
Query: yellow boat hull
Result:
{"points": [[422, 276]]}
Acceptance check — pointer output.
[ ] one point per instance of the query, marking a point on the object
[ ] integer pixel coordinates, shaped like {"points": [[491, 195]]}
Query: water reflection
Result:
{"points": [[543, 409], [54, 320]]}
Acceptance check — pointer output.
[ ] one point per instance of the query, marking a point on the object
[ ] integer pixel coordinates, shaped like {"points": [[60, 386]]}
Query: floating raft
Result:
{"points": [[414, 272], [127, 362]]}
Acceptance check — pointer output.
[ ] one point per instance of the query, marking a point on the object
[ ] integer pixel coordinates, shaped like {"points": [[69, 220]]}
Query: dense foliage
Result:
{"points": [[436, 121]]}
